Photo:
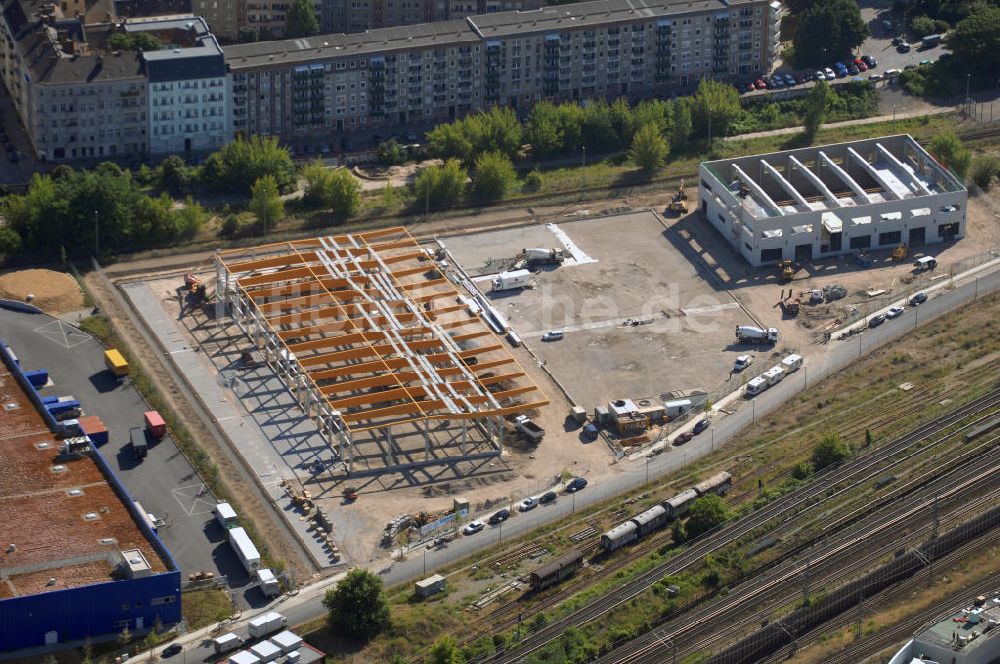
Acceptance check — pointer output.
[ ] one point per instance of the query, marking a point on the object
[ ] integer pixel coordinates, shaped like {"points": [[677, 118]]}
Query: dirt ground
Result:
{"points": [[53, 292]]}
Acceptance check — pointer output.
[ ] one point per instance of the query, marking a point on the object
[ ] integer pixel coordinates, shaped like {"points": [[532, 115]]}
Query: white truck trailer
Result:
{"points": [[756, 335], [226, 516], [245, 549], [226, 643], [266, 623], [511, 280]]}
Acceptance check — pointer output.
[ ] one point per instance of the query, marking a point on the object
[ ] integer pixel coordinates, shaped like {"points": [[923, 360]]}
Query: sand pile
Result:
{"points": [[55, 292]]}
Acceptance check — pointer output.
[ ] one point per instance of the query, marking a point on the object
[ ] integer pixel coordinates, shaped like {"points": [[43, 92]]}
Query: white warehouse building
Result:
{"points": [[833, 199]]}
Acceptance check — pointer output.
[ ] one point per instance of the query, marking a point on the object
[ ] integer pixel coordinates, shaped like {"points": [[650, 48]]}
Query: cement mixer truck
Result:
{"points": [[756, 335], [543, 256]]}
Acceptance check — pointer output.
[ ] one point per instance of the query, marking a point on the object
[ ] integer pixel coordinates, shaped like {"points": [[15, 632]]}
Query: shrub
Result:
{"points": [[533, 181], [922, 26], [493, 175], [984, 171]]}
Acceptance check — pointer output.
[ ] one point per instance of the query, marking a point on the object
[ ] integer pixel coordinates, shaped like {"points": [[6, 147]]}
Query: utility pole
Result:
{"points": [[97, 235]]}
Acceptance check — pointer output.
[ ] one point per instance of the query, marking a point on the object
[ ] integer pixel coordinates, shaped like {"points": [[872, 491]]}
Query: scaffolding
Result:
{"points": [[369, 334]]}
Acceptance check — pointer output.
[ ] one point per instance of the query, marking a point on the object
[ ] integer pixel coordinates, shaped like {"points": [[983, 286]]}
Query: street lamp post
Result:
{"points": [[709, 127], [647, 470], [97, 235], [968, 79]]}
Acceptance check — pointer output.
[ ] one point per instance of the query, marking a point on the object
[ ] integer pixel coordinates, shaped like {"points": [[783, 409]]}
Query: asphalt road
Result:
{"points": [[820, 361], [164, 482]]}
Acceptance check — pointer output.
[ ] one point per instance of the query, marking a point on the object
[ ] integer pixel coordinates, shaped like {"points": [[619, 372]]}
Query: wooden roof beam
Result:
{"points": [[349, 339]]}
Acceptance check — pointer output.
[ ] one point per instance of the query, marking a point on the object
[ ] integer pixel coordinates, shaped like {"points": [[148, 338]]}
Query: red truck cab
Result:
{"points": [[155, 424]]}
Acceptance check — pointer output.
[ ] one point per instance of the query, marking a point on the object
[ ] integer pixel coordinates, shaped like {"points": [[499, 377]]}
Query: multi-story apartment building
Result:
{"points": [[224, 17], [438, 71], [80, 100]]}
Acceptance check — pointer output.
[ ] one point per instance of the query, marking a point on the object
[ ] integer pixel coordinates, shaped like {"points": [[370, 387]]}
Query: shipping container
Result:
{"points": [[139, 445], [791, 363], [266, 651], [93, 427], [115, 362], [38, 378], [155, 424], [287, 641]]}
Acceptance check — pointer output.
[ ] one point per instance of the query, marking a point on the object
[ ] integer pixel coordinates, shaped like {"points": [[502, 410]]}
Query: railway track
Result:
{"points": [[862, 468], [839, 558]]}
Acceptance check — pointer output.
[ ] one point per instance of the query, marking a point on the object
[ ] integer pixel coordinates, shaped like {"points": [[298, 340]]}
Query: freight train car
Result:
{"points": [[719, 484], [679, 505], [555, 571], [652, 519], [619, 536]]}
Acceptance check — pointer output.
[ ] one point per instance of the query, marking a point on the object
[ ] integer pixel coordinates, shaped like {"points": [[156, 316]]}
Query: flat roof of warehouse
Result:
{"points": [[74, 538]]}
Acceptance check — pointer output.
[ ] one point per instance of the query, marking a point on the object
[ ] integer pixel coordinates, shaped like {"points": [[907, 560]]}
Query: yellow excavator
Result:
{"points": [[787, 269], [678, 204]]}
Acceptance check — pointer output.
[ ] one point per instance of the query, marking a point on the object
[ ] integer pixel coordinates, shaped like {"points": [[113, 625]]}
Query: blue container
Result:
{"points": [[47, 400], [62, 407], [38, 378]]}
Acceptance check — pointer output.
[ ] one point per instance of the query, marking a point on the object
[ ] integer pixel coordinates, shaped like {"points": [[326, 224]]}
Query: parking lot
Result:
{"points": [[164, 482], [639, 318]]}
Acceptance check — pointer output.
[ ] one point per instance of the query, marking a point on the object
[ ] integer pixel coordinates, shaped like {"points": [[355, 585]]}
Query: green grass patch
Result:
{"points": [[204, 607]]}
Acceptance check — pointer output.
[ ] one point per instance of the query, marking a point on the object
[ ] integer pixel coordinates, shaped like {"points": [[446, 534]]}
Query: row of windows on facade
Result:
{"points": [[188, 99], [103, 135], [99, 121], [205, 113], [188, 85], [187, 128]]}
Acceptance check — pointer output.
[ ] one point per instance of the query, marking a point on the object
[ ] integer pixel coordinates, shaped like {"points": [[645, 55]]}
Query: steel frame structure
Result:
{"points": [[368, 333]]}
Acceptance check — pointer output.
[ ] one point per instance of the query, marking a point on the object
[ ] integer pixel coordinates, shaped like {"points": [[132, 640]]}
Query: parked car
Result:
{"points": [[891, 74], [870, 60], [819, 75], [874, 78], [742, 362], [760, 84], [749, 87], [553, 335], [774, 83], [926, 62], [700, 426], [790, 80], [828, 73], [861, 65], [499, 516], [801, 78], [473, 527], [171, 650], [683, 438], [887, 25], [918, 299], [589, 431], [903, 47], [547, 497], [576, 484], [527, 504], [876, 320], [894, 312], [909, 67]]}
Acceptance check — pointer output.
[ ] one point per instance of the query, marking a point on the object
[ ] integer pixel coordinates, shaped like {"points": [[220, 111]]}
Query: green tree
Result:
{"points": [[493, 176], [266, 203], [173, 176], [681, 125], [816, 105], [975, 42], [649, 149], [358, 607], [343, 195], [238, 165], [922, 26], [829, 451], [449, 141], [301, 20], [445, 651], [833, 25], [802, 470], [390, 153], [439, 187], [246, 35], [10, 241], [543, 130], [678, 533], [495, 130], [717, 103], [948, 149], [706, 513], [124, 638], [145, 41]]}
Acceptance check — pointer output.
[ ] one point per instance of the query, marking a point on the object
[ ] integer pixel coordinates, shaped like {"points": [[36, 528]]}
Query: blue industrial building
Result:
{"points": [[77, 558]]}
